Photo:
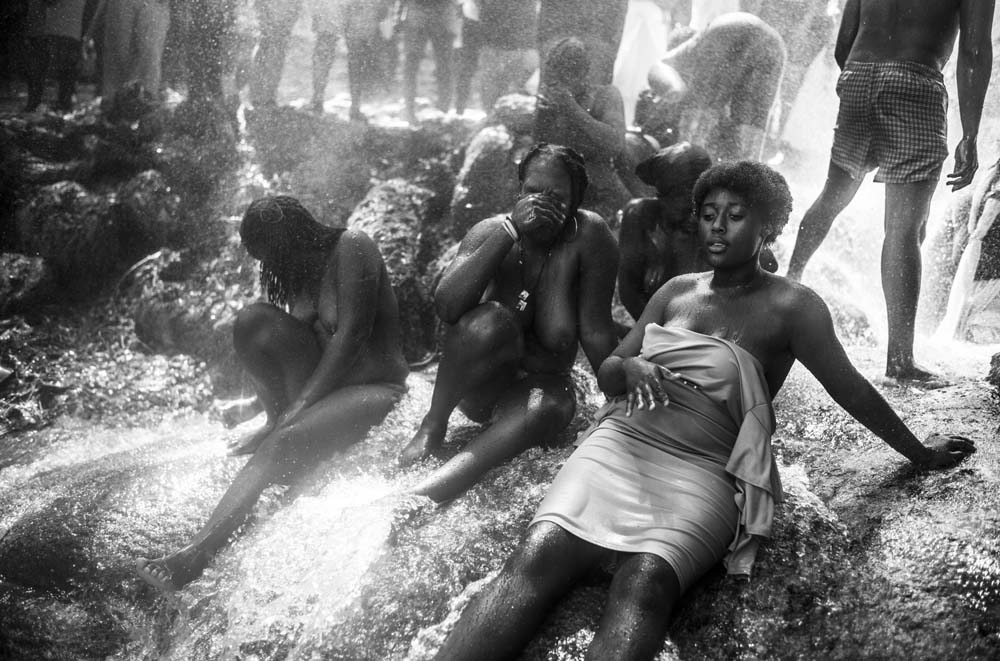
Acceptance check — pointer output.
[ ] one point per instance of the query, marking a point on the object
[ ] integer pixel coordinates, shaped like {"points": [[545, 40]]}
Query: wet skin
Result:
{"points": [[511, 364], [776, 320], [327, 372], [923, 32]]}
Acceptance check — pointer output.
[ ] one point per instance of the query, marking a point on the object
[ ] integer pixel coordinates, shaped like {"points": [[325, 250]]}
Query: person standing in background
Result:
{"points": [[277, 18], [893, 115], [424, 20], [134, 33], [54, 31]]}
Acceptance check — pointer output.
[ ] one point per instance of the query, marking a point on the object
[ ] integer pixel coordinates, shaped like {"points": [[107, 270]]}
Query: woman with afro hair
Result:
{"points": [[677, 473], [324, 353]]}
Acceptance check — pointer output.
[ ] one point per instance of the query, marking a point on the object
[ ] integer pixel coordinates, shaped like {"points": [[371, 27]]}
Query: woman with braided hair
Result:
{"points": [[525, 290], [324, 353]]}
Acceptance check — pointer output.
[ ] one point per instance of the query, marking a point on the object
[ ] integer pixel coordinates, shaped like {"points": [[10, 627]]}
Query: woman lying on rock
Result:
{"points": [[677, 472], [325, 355], [522, 292]]}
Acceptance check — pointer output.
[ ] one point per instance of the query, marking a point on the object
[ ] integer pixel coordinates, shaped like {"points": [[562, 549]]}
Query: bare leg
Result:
{"points": [[414, 42], [634, 623], [534, 410], [838, 192], [906, 210], [467, 60], [484, 344], [442, 40], [502, 620], [357, 51], [280, 353], [351, 411], [322, 60]]}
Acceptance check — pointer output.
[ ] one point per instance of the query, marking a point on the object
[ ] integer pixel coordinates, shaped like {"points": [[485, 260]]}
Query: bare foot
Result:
{"points": [[173, 571], [427, 439], [237, 411], [249, 443], [355, 115], [911, 375]]}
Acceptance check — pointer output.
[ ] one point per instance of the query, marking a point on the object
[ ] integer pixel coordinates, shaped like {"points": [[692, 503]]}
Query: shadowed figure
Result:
{"points": [[659, 237], [358, 23], [677, 472], [423, 21], [717, 85], [523, 291], [586, 116], [893, 115], [325, 355]]}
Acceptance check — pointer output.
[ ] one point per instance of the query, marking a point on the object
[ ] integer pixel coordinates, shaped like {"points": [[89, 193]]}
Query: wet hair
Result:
{"points": [[674, 168], [276, 230], [763, 189], [571, 160], [567, 58]]}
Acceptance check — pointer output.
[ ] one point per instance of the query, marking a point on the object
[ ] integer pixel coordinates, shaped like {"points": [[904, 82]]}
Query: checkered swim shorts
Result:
{"points": [[893, 115]]}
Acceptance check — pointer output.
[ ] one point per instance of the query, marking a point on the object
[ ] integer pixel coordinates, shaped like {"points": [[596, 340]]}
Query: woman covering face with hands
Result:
{"points": [[525, 290]]}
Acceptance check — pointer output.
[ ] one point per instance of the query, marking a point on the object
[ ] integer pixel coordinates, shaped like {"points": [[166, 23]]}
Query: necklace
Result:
{"points": [[522, 298]]}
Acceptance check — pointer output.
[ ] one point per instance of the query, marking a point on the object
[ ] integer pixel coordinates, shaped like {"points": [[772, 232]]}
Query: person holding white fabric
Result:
{"points": [[977, 281]]}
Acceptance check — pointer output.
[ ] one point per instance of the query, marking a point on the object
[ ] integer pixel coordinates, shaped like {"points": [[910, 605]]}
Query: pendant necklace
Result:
{"points": [[522, 298]]}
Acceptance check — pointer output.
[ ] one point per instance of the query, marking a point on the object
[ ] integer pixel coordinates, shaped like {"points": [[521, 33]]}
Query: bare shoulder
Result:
{"points": [[794, 301], [593, 231], [683, 284], [357, 241]]}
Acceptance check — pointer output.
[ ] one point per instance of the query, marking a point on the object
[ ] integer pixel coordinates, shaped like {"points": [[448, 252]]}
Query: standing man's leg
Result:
{"points": [[116, 57], [322, 61], [152, 23], [442, 36], [838, 191], [414, 41], [277, 18], [906, 209]]}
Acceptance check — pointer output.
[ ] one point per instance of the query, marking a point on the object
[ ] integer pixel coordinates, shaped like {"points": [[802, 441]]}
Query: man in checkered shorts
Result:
{"points": [[893, 116]]}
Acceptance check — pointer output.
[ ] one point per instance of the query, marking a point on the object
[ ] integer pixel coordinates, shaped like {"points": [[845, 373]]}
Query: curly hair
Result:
{"points": [[571, 159], [276, 230], [762, 188]]}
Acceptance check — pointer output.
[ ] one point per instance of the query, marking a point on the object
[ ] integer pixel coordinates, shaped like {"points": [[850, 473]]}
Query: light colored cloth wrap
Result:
{"points": [[694, 481]]}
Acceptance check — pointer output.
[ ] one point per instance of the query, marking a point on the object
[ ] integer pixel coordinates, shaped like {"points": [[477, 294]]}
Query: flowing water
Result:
{"points": [[869, 558]]}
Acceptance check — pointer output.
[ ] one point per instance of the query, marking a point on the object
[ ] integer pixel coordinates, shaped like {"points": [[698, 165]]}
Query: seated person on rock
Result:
{"points": [[677, 473], [659, 238], [718, 86], [589, 118], [523, 291], [325, 354]]}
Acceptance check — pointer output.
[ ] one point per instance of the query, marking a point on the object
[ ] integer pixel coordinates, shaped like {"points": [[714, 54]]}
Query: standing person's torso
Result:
{"points": [[906, 30]]}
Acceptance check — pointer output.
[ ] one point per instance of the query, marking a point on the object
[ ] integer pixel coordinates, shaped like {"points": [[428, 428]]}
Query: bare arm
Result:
{"points": [[631, 266], [815, 344], [598, 266], [465, 280], [975, 63], [601, 136], [611, 377], [850, 21], [356, 280]]}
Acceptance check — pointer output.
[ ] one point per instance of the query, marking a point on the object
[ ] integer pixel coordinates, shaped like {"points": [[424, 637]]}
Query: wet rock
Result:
{"points": [[394, 215], [994, 374], [516, 112], [75, 231], [487, 183], [149, 213], [24, 283]]}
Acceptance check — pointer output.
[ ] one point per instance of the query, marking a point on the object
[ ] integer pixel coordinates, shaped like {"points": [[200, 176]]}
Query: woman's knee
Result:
{"points": [[542, 552], [255, 327], [648, 581], [552, 403], [487, 329]]}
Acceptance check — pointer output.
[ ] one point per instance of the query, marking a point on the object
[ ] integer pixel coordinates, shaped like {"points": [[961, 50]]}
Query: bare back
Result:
{"points": [[904, 30]]}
